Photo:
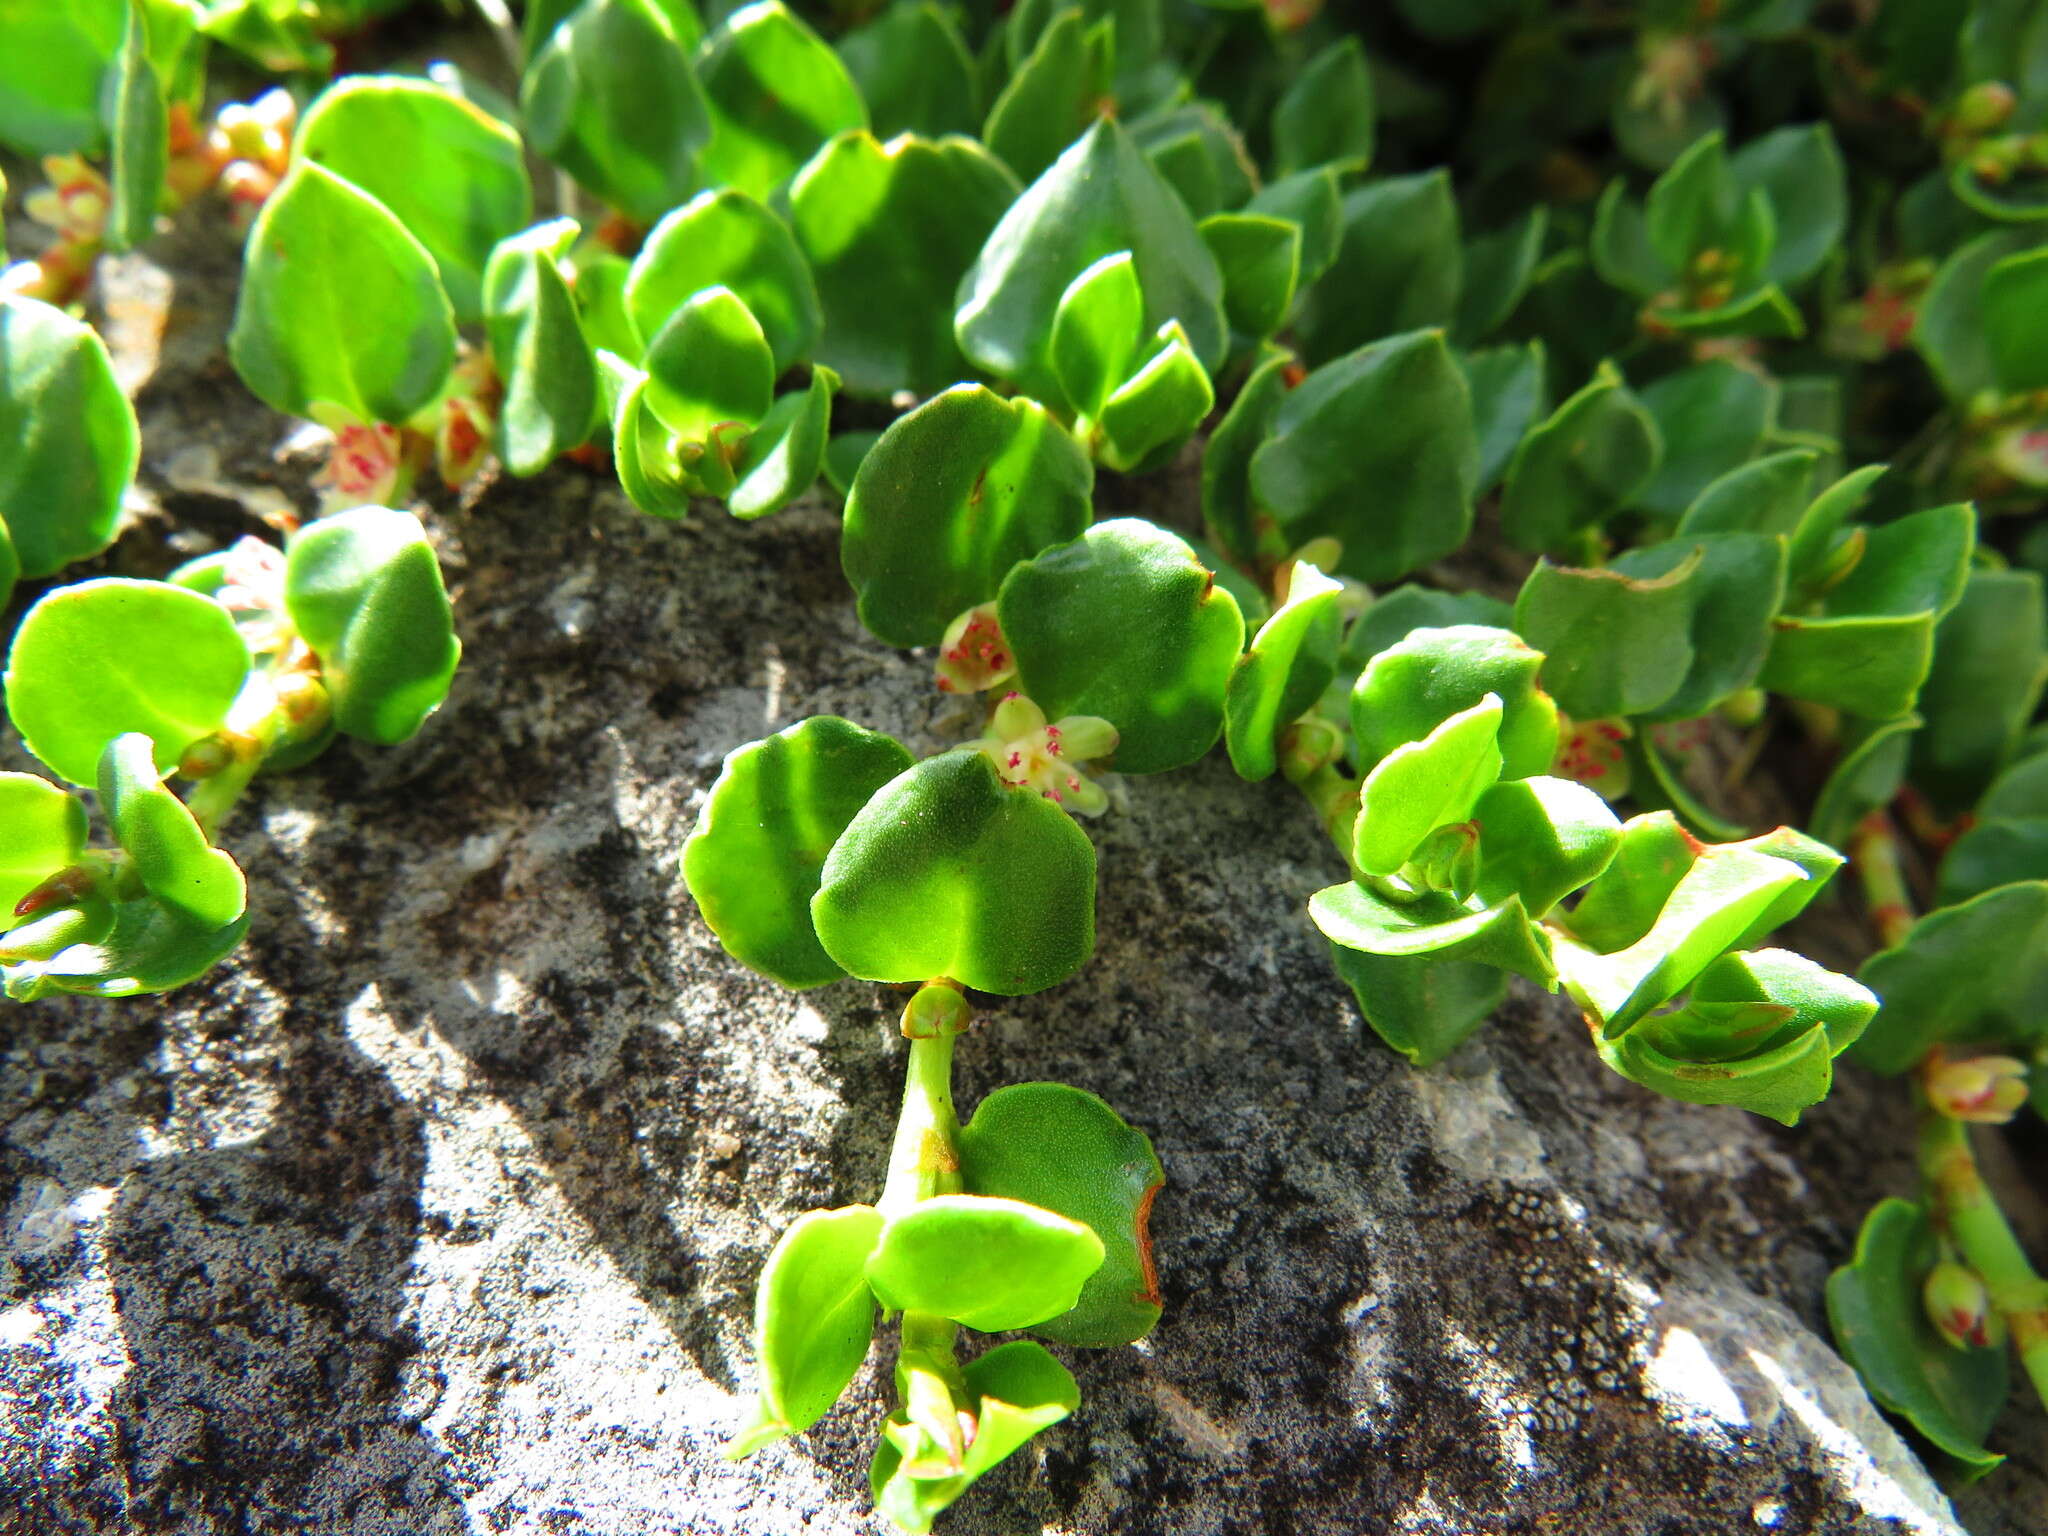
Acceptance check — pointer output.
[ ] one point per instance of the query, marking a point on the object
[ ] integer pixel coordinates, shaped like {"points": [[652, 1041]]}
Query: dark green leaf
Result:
{"points": [[1054, 95], [1990, 657], [1325, 116], [1423, 1007], [538, 346], [1508, 396], [1711, 417], [1594, 456], [776, 92], [1615, 644], [1498, 268], [914, 71], [1414, 684], [1399, 266]]}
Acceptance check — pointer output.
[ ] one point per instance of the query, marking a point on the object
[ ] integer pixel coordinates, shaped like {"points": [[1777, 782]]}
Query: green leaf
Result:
{"points": [[1540, 839], [1866, 776], [1422, 1007], [1054, 95], [778, 806], [1399, 266], [843, 457], [106, 657], [1619, 907], [1735, 590], [1711, 417], [1800, 171], [1994, 852], [1260, 258], [339, 306], [1950, 1395], [1620, 246], [1314, 201], [600, 289], [1289, 664], [953, 495], [1951, 329], [1014, 1391], [2015, 301], [1498, 268], [1766, 495], [1814, 537], [711, 364], [1096, 332], [1066, 1151], [1393, 420], [1437, 926], [452, 174], [886, 227], [643, 449], [1990, 657], [151, 948], [364, 590], [538, 346], [784, 453], [72, 444], [949, 872], [1101, 196], [138, 125], [1325, 116], [51, 71], [1714, 903], [992, 1264], [914, 71], [611, 98], [725, 239], [1699, 205], [776, 92], [1593, 457], [1426, 784], [1414, 684], [1914, 564], [1157, 409], [1126, 624], [1939, 987], [1227, 512], [1871, 666], [42, 831], [814, 1318], [1616, 644], [166, 848], [1201, 156], [1508, 395]]}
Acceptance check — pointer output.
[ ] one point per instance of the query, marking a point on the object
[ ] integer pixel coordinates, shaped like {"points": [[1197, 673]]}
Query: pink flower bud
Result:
{"points": [[974, 655], [1960, 1308], [1986, 1090]]}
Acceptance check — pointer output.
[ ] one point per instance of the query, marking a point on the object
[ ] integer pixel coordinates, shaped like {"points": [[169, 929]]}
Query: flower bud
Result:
{"points": [[974, 655], [1310, 743], [938, 1008], [1985, 1090], [1985, 106], [206, 757], [1960, 1308]]}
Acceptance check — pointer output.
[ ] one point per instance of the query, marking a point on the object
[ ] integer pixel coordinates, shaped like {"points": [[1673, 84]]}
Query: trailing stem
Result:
{"points": [[1874, 850]]}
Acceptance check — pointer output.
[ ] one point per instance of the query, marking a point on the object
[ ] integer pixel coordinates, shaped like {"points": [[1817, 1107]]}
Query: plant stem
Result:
{"points": [[1334, 794], [1874, 850], [925, 1160], [1968, 1215]]}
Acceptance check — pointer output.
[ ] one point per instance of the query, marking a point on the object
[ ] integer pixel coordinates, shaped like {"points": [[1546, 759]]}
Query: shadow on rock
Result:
{"points": [[259, 1289]]}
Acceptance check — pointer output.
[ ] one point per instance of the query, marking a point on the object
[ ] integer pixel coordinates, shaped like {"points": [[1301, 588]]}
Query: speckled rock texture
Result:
{"points": [[438, 1210]]}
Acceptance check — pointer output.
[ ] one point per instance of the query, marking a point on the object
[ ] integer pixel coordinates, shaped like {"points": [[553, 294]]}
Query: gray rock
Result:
{"points": [[439, 1209]]}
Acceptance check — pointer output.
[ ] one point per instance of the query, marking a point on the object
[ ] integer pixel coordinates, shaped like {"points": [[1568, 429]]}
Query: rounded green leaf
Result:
{"points": [[1326, 114], [1101, 196], [611, 98], [726, 239], [1541, 838], [1939, 987], [1291, 660], [885, 227], [42, 831], [1260, 258], [1990, 659], [1426, 784], [1767, 495], [537, 343], [452, 174], [814, 1318], [1228, 515], [1437, 926], [1950, 330], [1054, 94], [1710, 418], [339, 305], [1126, 624], [1800, 170], [783, 455], [947, 871], [151, 948], [2015, 300], [1508, 396], [953, 495], [1592, 458], [991, 1264], [1425, 677], [1613, 643], [1066, 1151], [774, 813], [103, 658], [1157, 409], [1498, 268], [1096, 331], [776, 91], [51, 69], [1952, 1396], [72, 445], [1399, 266], [710, 364], [165, 846], [364, 589], [1736, 589], [1423, 1007], [914, 71]]}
